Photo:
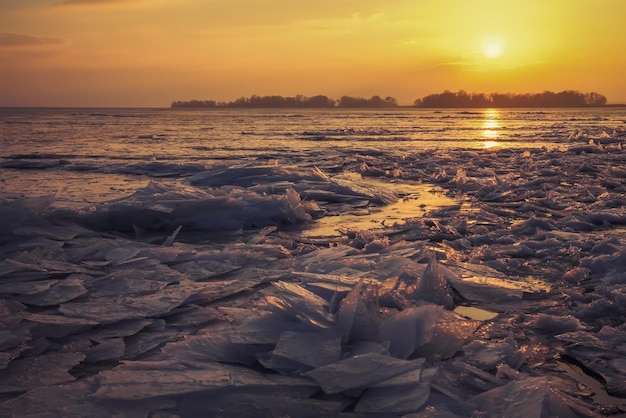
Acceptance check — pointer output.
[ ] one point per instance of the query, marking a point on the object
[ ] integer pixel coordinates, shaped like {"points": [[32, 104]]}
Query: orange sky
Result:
{"points": [[150, 52]]}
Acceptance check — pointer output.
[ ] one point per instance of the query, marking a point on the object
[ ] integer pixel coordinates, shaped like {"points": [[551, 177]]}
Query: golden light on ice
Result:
{"points": [[493, 47]]}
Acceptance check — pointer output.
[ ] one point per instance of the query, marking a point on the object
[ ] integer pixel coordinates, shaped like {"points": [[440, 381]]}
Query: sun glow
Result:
{"points": [[493, 47]]}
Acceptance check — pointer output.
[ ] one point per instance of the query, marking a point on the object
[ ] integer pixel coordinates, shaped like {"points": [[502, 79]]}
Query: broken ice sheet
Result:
{"points": [[191, 315], [58, 291], [59, 233], [398, 399], [152, 304], [109, 349], [211, 345], [257, 402], [31, 372], [488, 287], [487, 355], [26, 287], [360, 371], [145, 341], [10, 312], [126, 308], [120, 254], [304, 350], [601, 352], [408, 329], [57, 326], [358, 317], [143, 380], [426, 331], [69, 400], [118, 330], [532, 397], [165, 207], [301, 303], [431, 286]]}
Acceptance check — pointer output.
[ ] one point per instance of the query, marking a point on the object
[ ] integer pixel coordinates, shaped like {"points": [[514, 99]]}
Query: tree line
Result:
{"points": [[566, 98], [446, 99], [298, 101]]}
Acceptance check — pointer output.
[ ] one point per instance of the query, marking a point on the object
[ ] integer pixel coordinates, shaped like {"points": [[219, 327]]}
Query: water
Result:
{"points": [[93, 155]]}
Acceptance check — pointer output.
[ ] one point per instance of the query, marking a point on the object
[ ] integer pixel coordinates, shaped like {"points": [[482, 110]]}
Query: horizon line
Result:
{"points": [[620, 104]]}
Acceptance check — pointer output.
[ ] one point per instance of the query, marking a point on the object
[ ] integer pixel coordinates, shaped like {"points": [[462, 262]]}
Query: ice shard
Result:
{"points": [[360, 371]]}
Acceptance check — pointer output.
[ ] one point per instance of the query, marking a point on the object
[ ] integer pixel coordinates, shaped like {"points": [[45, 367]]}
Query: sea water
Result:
{"points": [[94, 155]]}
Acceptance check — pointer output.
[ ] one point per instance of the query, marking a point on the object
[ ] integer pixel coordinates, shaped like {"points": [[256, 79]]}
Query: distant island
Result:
{"points": [[446, 99], [298, 101]]}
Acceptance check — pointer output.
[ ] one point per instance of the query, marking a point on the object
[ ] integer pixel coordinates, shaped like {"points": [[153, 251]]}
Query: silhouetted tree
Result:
{"points": [[257, 101], [360, 102], [567, 98], [195, 103]]}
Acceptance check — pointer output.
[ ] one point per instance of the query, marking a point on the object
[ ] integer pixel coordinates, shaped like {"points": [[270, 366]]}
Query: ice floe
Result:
{"points": [[202, 296]]}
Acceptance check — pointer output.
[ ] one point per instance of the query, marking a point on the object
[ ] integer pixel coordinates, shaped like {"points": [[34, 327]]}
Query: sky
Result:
{"points": [[151, 52]]}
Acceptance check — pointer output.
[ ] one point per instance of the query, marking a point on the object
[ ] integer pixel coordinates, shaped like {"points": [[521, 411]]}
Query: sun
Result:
{"points": [[493, 47]]}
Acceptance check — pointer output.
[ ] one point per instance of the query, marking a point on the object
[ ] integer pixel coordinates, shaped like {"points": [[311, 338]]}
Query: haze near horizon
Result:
{"points": [[150, 52]]}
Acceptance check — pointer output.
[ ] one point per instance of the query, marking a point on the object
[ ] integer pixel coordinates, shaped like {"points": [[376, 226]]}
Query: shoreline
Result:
{"points": [[399, 107]]}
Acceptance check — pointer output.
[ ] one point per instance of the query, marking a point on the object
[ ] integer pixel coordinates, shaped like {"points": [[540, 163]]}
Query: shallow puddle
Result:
{"points": [[473, 312], [415, 200]]}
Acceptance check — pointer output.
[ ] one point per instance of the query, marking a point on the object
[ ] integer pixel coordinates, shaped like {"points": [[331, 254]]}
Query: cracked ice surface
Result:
{"points": [[204, 298]]}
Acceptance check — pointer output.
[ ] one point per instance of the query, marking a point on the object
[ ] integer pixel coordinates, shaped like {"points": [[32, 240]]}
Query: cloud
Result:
{"points": [[18, 39], [93, 2], [87, 1]]}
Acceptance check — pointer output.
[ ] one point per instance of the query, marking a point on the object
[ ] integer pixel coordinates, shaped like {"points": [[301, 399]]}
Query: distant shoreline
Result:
{"points": [[399, 107], [444, 100]]}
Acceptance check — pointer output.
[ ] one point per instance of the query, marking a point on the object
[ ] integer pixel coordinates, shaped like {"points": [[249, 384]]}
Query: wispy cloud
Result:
{"points": [[88, 2], [19, 39]]}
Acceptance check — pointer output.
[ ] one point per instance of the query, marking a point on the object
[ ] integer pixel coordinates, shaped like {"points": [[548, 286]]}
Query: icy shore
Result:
{"points": [[205, 298]]}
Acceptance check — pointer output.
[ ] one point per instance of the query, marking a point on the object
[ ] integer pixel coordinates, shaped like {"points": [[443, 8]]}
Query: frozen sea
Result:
{"points": [[92, 155], [264, 262]]}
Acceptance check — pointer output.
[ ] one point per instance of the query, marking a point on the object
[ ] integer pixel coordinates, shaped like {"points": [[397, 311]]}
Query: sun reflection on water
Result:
{"points": [[491, 128]]}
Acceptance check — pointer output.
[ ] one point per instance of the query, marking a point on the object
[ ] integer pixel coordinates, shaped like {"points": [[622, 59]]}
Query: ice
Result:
{"points": [[163, 207], [57, 326], [73, 399], [409, 329], [360, 371], [134, 307], [59, 292], [603, 353], [248, 175], [303, 350], [487, 286], [14, 213], [432, 286], [48, 369], [303, 304], [557, 324], [530, 398], [358, 317], [428, 331], [488, 355], [286, 402], [397, 399], [201, 296], [144, 380], [311, 183], [106, 349]]}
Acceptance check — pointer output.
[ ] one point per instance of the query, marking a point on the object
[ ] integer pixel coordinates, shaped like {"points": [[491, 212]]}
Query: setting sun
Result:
{"points": [[493, 47]]}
